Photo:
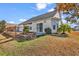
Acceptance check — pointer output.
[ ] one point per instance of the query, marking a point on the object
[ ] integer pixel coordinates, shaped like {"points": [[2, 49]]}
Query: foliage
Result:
{"points": [[2, 25], [67, 6], [71, 20], [71, 9], [64, 28], [48, 31], [26, 29]]}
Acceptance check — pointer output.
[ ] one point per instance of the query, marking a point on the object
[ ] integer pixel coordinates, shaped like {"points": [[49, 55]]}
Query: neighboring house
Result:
{"points": [[76, 28], [20, 28], [10, 27], [39, 23]]}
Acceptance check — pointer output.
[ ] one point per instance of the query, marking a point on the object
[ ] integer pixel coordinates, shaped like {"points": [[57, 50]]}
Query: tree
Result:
{"points": [[70, 20], [68, 8], [64, 28], [72, 12], [2, 25]]}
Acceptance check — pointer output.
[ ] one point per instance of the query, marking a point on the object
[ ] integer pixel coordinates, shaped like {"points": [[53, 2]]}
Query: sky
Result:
{"points": [[19, 12]]}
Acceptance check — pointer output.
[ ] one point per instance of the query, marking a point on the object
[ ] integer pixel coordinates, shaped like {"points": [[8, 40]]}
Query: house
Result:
{"points": [[10, 27], [39, 23], [76, 28]]}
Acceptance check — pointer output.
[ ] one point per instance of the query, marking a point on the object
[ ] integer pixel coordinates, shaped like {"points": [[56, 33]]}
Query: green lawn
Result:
{"points": [[44, 45]]}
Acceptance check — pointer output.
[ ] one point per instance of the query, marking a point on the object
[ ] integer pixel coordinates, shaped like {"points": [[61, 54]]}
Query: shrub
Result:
{"points": [[48, 31], [26, 29], [64, 28]]}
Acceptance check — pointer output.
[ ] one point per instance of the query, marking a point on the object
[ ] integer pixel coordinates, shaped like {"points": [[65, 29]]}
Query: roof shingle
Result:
{"points": [[43, 16]]}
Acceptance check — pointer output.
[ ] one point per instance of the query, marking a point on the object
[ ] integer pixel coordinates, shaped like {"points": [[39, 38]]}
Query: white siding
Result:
{"points": [[56, 23], [57, 15], [20, 28], [47, 23]]}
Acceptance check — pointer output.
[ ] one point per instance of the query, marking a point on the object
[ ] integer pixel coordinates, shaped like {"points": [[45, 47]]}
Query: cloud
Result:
{"points": [[51, 10], [22, 20], [41, 6], [12, 22], [49, 3]]}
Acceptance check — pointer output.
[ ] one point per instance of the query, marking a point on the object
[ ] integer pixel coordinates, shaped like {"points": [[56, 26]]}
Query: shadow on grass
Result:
{"points": [[54, 34], [41, 35], [60, 35], [23, 40], [26, 39]]}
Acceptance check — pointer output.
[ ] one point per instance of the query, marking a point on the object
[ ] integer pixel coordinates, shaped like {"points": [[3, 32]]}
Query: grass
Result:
{"points": [[44, 45]]}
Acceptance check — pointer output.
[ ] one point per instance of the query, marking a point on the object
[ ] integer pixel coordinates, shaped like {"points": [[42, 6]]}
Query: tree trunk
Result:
{"points": [[60, 13], [63, 32]]}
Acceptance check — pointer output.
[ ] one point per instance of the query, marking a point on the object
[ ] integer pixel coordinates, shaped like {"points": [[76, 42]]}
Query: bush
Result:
{"points": [[26, 29], [48, 31]]}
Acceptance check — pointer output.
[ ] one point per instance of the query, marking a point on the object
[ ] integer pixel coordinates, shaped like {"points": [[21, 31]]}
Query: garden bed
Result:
{"points": [[26, 36]]}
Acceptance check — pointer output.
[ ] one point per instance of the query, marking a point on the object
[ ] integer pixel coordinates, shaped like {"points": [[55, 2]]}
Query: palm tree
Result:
{"points": [[64, 28]]}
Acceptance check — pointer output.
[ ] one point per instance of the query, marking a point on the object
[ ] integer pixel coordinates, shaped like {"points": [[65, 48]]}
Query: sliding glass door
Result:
{"points": [[40, 27]]}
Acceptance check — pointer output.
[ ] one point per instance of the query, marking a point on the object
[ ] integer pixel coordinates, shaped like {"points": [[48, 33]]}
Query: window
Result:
{"points": [[54, 27], [30, 28]]}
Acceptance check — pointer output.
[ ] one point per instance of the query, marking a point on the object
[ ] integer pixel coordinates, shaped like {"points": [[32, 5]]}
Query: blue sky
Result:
{"points": [[19, 12]]}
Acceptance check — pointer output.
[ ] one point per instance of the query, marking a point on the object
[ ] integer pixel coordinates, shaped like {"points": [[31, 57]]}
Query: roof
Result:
{"points": [[40, 17], [10, 25]]}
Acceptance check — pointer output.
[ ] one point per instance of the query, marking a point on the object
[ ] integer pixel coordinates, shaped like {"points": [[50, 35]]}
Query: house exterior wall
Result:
{"points": [[57, 15], [47, 23], [54, 23], [20, 28], [76, 28], [34, 25]]}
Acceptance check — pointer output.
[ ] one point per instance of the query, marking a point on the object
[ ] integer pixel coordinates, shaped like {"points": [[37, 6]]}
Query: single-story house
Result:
{"points": [[76, 28], [10, 27], [39, 23]]}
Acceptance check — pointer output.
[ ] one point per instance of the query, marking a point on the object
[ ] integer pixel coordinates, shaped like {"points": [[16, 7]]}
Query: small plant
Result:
{"points": [[26, 29], [48, 31]]}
